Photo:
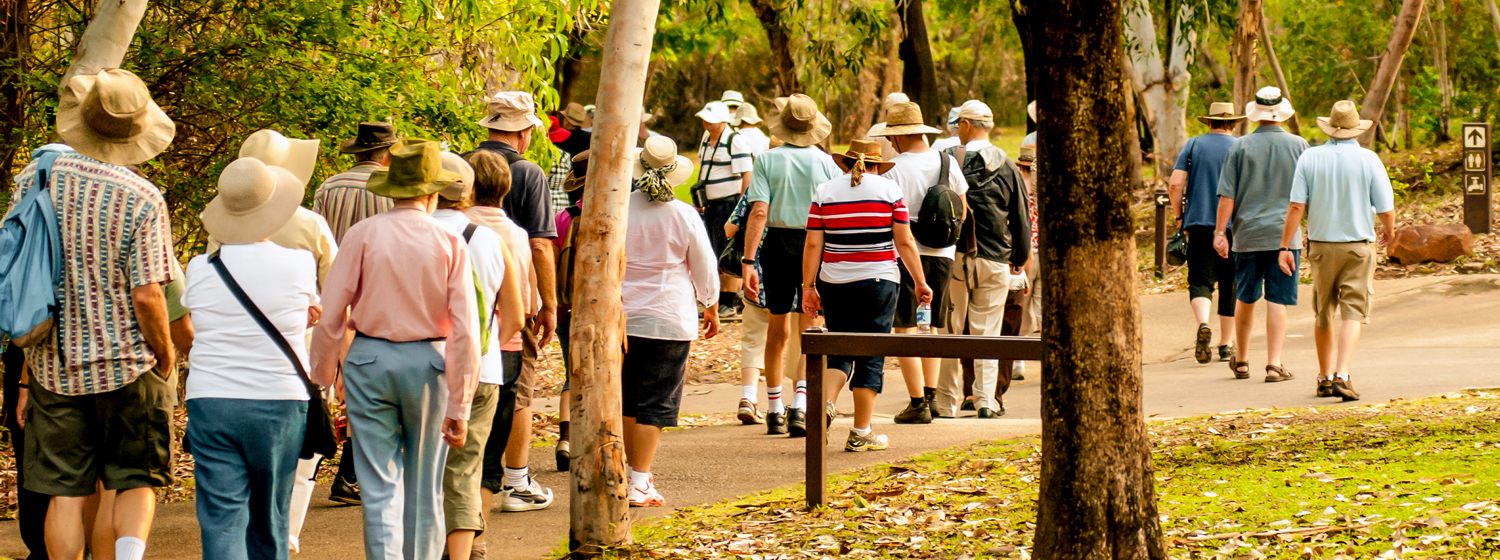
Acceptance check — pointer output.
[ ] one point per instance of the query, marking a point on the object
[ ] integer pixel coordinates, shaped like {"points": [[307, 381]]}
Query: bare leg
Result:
{"points": [[102, 535], [1227, 330], [730, 284], [776, 339], [1244, 318], [133, 511], [1348, 339], [642, 450], [864, 407], [911, 369], [1275, 332], [794, 347], [1323, 337], [461, 543], [833, 383], [518, 448], [1200, 308], [749, 376], [64, 528]]}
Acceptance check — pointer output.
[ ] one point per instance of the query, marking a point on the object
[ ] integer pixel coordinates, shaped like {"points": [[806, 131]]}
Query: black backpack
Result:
{"points": [[940, 221]]}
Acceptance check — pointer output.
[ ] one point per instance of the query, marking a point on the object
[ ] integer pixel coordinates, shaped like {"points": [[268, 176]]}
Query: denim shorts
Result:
{"points": [[865, 306], [1253, 269]]}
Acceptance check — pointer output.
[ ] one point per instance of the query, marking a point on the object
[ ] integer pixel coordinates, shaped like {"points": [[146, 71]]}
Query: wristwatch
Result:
{"points": [[1219, 233], [747, 261], [1285, 249]]}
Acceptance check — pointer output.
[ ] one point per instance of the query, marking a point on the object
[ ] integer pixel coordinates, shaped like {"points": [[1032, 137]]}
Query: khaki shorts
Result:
{"points": [[123, 438], [1343, 280], [526, 381], [754, 324], [461, 475]]}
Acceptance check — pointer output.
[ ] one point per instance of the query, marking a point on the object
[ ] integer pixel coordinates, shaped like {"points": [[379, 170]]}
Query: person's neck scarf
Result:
{"points": [[654, 182]]}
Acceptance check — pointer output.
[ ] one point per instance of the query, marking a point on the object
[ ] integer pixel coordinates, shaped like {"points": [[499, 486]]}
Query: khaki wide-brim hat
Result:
{"points": [[904, 119], [576, 176], [292, 154], [110, 117], [746, 114], [1344, 123], [867, 150], [661, 151], [1027, 156], [254, 201], [511, 111], [1269, 105], [1220, 112], [416, 170], [797, 121]]}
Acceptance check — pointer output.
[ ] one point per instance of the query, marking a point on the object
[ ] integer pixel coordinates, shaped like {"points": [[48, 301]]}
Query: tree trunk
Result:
{"points": [[107, 37], [1098, 497], [918, 76], [599, 511], [1403, 117], [1440, 61], [890, 81], [1216, 73], [1244, 57], [1018, 16], [1162, 87], [1265, 39], [15, 44], [978, 34], [1373, 105], [781, 46], [1494, 20]]}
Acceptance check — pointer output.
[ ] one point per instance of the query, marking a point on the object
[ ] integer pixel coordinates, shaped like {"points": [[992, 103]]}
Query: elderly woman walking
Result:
{"points": [[669, 265]]}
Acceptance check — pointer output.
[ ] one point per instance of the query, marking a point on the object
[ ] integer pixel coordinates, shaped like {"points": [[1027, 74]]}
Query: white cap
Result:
{"points": [[975, 110], [716, 112]]}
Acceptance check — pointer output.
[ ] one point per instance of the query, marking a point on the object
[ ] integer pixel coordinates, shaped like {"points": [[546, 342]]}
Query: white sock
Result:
{"points": [[1018, 367], [800, 401], [1343, 376], [747, 392], [130, 548], [862, 431], [515, 478], [773, 401], [640, 479]]}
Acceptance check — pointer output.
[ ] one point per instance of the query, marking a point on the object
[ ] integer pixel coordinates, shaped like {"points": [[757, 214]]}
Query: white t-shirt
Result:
{"points": [[759, 142], [487, 260], [944, 143], [917, 172], [232, 357]]}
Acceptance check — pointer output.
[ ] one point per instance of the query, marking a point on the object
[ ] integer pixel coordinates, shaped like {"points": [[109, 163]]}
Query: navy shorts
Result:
{"points": [[866, 306], [651, 375], [781, 269], [1253, 269]]}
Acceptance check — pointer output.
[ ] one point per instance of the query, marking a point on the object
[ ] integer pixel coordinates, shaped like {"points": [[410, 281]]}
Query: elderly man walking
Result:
{"points": [[1255, 190], [726, 159], [342, 199], [103, 386], [1341, 187]]}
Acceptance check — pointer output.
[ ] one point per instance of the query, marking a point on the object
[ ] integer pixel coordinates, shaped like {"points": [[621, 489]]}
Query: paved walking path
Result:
{"points": [[1430, 336]]}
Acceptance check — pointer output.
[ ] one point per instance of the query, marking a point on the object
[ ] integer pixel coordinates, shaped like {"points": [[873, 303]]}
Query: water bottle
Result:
{"points": [[924, 318]]}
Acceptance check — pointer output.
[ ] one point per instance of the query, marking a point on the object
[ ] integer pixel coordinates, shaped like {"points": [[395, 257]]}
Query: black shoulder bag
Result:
{"points": [[319, 437]]}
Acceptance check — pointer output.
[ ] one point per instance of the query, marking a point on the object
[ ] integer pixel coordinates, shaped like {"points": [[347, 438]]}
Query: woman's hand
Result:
{"points": [[314, 314], [812, 303], [710, 321]]}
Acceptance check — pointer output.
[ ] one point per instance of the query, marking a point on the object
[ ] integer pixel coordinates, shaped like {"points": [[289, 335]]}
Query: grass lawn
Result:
{"points": [[1406, 479]]}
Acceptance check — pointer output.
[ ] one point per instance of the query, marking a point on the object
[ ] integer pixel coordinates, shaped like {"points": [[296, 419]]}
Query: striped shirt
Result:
{"points": [[857, 223], [721, 162], [343, 201], [115, 237]]}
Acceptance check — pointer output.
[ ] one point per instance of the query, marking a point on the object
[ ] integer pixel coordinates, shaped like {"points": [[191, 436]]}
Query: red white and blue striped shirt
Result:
{"points": [[858, 239]]}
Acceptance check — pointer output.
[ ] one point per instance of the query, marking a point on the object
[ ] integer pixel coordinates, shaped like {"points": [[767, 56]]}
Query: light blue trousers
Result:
{"points": [[397, 397]]}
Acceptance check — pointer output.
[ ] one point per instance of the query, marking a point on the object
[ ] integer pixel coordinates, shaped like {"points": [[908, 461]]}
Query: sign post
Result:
{"points": [[1478, 212]]}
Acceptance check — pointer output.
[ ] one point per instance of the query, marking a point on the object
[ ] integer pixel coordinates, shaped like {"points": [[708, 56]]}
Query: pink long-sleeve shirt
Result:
{"points": [[402, 277]]}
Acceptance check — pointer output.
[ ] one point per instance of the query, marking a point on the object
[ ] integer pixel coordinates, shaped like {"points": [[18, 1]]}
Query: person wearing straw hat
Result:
{"points": [[1194, 193], [670, 269], [342, 199], [916, 170], [781, 192], [1255, 190], [247, 399], [574, 140], [1341, 187], [501, 314], [110, 344], [403, 284], [747, 123], [856, 227], [726, 159], [887, 151]]}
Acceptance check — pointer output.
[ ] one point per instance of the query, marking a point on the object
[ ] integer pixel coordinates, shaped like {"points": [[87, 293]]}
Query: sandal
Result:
{"points": [[1201, 351], [1277, 374], [1241, 369]]}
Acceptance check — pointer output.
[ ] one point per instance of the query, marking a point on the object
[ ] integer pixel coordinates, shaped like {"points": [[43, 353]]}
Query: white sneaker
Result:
{"points": [[531, 497], [646, 497]]}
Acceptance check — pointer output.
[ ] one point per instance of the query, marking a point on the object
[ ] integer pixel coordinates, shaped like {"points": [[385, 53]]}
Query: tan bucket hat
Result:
{"points": [[866, 151], [1220, 111], [576, 114], [746, 114], [459, 190], [110, 117], [292, 154], [1269, 105], [416, 170], [254, 201], [904, 119], [1344, 122], [1027, 156], [659, 152], [797, 121], [511, 111]]}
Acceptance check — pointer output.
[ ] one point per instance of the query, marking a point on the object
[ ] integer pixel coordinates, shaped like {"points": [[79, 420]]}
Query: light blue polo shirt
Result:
{"points": [[785, 178], [1343, 186]]}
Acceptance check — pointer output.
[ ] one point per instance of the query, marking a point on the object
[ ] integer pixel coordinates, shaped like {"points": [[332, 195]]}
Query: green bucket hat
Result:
{"points": [[416, 170]]}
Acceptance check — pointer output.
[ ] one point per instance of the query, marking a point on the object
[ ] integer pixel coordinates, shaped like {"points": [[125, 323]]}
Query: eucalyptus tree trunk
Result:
{"points": [[1244, 57], [1293, 124], [1439, 30], [107, 37], [1098, 496], [1494, 20], [781, 46], [1373, 105], [1163, 88]]}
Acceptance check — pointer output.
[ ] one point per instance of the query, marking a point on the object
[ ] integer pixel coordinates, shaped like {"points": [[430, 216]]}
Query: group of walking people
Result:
{"points": [[1241, 202]]}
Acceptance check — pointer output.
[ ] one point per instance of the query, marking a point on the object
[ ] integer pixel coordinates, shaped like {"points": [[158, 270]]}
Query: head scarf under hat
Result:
{"points": [[658, 168]]}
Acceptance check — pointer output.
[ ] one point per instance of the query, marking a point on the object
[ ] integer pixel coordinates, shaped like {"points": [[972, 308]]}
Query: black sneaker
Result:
{"points": [[988, 414], [344, 492], [915, 414], [564, 455], [1200, 345], [775, 423], [1226, 353], [796, 421], [932, 406]]}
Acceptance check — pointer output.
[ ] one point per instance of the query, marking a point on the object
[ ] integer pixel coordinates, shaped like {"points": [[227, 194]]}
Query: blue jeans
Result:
{"points": [[245, 462]]}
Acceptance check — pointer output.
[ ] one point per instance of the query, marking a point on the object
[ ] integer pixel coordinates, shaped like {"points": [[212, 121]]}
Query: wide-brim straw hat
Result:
{"points": [[1269, 105], [254, 201], [296, 155], [110, 117], [658, 152], [416, 170], [576, 176], [1220, 112], [904, 119], [371, 136], [575, 114], [459, 190], [511, 111], [797, 121], [868, 151], [1344, 122]]}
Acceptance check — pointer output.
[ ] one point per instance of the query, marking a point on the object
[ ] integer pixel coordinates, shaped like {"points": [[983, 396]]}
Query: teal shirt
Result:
{"points": [[1257, 176], [1343, 186], [785, 178]]}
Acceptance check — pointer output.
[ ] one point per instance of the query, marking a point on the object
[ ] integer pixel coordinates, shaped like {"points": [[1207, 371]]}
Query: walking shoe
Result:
{"points": [[915, 414], [968, 404], [775, 423], [728, 313], [829, 413], [646, 497], [564, 455], [1325, 388], [1200, 346], [477, 553], [531, 497], [344, 492], [749, 414], [1018, 371], [1226, 353], [987, 413], [796, 422], [871, 442], [1344, 389], [932, 407]]}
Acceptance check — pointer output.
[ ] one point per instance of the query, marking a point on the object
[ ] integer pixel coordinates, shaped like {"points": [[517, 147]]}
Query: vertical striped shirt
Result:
{"points": [[343, 200], [115, 237], [859, 240], [722, 161]]}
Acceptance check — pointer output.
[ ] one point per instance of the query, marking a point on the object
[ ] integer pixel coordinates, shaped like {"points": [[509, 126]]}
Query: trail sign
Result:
{"points": [[1478, 213]]}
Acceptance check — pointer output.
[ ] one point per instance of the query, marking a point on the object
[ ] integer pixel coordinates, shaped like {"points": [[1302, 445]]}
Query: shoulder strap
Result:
{"points": [[469, 231], [943, 170], [961, 153], [260, 319], [512, 158]]}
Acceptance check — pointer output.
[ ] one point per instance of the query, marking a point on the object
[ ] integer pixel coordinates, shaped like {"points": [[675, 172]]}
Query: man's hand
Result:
{"points": [[924, 292], [546, 324], [1386, 235], [21, 408], [1288, 263], [1221, 244], [812, 302], [751, 282], [455, 431], [710, 321]]}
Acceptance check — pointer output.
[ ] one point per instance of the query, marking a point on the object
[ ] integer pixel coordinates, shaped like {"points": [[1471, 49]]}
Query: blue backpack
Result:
{"points": [[31, 258]]}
